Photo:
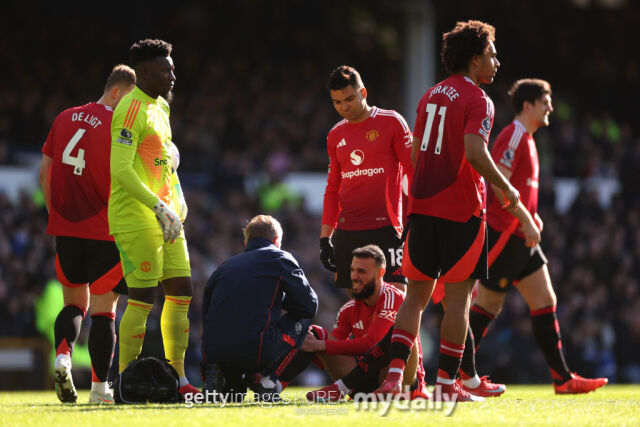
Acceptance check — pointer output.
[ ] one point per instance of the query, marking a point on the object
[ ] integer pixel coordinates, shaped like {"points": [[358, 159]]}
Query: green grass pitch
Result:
{"points": [[520, 405]]}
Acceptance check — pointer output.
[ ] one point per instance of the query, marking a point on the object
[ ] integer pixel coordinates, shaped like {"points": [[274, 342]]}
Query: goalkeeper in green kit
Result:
{"points": [[146, 209]]}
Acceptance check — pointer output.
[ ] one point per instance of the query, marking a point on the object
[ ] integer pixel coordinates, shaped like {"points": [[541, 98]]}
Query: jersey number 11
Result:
{"points": [[431, 113]]}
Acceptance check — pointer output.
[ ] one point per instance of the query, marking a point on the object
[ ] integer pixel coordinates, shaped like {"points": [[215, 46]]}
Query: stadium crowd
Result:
{"points": [[242, 122]]}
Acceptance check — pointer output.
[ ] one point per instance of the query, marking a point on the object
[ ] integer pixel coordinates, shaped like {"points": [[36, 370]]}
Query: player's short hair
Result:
{"points": [[463, 42], [121, 75], [264, 226], [529, 90], [371, 251], [344, 76], [148, 49]]}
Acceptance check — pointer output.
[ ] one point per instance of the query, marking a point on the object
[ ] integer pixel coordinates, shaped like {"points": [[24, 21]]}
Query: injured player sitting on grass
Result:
{"points": [[358, 364]]}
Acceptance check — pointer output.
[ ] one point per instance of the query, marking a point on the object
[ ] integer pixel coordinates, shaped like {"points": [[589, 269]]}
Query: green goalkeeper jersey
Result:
{"points": [[141, 169]]}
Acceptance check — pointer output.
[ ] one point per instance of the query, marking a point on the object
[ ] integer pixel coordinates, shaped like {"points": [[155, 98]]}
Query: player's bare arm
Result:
{"points": [[415, 146], [326, 231], [476, 153], [45, 173], [529, 226]]}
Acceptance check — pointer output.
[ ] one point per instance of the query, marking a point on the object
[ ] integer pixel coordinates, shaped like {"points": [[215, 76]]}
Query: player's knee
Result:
{"points": [[544, 299], [78, 296], [553, 300], [490, 301], [146, 295], [109, 315], [493, 306], [104, 303], [178, 286]]}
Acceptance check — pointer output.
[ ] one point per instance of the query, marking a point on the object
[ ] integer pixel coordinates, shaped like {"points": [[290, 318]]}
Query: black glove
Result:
{"points": [[327, 256]]}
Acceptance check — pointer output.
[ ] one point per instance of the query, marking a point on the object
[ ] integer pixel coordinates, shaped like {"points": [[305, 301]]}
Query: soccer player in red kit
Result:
{"points": [[363, 329], [369, 154], [446, 230], [74, 175], [515, 256]]}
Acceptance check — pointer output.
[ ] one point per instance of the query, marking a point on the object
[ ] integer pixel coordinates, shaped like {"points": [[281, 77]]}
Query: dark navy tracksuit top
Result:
{"points": [[242, 303]]}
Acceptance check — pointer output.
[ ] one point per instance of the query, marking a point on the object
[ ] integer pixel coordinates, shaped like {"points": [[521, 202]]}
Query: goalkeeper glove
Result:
{"points": [[327, 256], [169, 221]]}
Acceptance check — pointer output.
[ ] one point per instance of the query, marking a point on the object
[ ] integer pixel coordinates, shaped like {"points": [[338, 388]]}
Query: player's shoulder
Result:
{"points": [[340, 126], [391, 296], [347, 307], [511, 135], [452, 91], [391, 116], [129, 109], [125, 102], [459, 87], [80, 112], [164, 104], [73, 110], [133, 98]]}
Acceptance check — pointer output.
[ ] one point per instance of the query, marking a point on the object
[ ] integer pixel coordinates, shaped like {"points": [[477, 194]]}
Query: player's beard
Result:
{"points": [[367, 290]]}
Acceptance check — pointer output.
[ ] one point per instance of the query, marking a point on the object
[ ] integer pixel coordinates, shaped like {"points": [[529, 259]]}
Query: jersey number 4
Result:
{"points": [[431, 113], [78, 161]]}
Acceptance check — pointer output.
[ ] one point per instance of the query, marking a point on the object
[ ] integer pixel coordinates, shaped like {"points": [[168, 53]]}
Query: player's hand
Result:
{"points": [[311, 344], [538, 221], [531, 234], [327, 256], [511, 199], [169, 221]]}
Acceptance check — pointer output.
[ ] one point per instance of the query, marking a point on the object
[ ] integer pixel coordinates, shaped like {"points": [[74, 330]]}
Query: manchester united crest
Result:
{"points": [[372, 135]]}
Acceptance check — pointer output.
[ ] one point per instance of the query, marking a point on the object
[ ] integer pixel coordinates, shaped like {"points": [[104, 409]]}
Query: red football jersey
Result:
{"points": [[444, 183], [367, 161], [516, 150], [79, 143], [368, 325]]}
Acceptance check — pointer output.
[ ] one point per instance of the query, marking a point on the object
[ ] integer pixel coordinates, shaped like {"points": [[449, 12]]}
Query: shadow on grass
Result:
{"points": [[89, 407]]}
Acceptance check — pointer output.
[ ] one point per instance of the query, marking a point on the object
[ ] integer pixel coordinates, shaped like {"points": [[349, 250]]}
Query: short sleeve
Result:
{"points": [[505, 150], [47, 148], [418, 128], [125, 131], [479, 116]]}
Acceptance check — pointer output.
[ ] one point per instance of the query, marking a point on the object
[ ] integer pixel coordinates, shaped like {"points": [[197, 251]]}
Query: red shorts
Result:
{"points": [[437, 248], [86, 261]]}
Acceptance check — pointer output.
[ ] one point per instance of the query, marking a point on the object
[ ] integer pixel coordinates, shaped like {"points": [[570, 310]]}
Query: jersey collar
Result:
{"points": [[140, 93]]}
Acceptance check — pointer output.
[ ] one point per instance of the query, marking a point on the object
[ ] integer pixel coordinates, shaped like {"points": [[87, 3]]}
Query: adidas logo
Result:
{"points": [[358, 325], [342, 143]]}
